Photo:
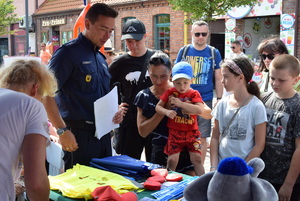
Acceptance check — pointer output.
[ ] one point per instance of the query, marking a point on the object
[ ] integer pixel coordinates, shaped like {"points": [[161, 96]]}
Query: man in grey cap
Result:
{"points": [[130, 70]]}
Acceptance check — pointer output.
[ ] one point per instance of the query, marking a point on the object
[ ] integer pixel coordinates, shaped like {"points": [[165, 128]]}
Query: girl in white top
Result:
{"points": [[245, 135]]}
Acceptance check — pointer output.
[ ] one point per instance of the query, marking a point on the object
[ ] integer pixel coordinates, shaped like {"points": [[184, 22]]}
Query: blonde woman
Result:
{"points": [[24, 128]]}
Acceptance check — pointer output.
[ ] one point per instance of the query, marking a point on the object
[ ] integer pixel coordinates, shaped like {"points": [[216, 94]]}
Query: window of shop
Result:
{"points": [[124, 48], [55, 39], [255, 29], [45, 37], [162, 32], [3, 48], [66, 36], [19, 45]]}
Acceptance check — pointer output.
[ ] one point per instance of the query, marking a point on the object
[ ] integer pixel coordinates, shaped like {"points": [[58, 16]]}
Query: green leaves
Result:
{"points": [[207, 9], [7, 16]]}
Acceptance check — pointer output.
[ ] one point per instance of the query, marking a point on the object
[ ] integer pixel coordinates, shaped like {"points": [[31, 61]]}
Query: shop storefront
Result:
{"points": [[13, 44], [56, 28], [3, 48], [55, 31], [250, 24]]}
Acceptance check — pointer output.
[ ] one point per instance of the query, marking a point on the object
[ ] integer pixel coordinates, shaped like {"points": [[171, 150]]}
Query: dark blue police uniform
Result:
{"points": [[83, 77]]}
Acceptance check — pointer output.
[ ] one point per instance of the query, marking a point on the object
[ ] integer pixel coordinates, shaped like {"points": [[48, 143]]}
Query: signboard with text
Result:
{"points": [[54, 22], [287, 31]]}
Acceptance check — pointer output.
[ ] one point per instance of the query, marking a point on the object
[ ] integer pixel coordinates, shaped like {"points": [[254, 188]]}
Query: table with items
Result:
{"points": [[122, 174]]}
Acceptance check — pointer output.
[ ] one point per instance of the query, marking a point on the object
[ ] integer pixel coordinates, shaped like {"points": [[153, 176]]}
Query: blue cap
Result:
{"points": [[182, 70]]}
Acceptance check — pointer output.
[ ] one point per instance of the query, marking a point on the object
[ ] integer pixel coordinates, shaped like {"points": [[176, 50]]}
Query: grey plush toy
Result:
{"points": [[233, 181]]}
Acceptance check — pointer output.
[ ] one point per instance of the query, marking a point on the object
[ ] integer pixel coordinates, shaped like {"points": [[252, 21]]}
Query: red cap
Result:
{"points": [[107, 193]]}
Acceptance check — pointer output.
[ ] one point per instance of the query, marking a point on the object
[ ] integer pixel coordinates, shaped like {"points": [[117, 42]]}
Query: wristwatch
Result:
{"points": [[61, 131]]}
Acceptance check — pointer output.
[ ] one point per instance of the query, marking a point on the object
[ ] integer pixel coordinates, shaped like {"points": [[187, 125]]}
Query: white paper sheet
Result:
{"points": [[55, 154], [8, 60], [105, 108]]}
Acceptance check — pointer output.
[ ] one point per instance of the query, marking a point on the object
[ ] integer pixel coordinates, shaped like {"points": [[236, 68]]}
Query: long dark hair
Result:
{"points": [[247, 69], [271, 45]]}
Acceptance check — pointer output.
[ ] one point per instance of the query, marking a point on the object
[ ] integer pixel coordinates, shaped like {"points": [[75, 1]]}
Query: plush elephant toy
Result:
{"points": [[233, 181]]}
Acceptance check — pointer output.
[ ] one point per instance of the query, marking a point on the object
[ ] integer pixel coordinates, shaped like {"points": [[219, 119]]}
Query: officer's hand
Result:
{"points": [[68, 141]]}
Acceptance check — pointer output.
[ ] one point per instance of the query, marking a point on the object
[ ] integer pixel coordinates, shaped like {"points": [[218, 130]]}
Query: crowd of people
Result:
{"points": [[163, 109]]}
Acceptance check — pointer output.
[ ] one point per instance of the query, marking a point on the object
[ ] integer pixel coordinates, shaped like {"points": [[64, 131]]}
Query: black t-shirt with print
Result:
{"points": [[282, 129]]}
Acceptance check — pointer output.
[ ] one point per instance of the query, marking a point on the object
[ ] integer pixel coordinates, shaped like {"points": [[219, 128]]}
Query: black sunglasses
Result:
{"points": [[160, 60], [232, 47], [269, 56], [204, 34]]}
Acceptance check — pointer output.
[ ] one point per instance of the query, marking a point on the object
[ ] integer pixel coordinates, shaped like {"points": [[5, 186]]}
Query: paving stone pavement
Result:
{"points": [[207, 161]]}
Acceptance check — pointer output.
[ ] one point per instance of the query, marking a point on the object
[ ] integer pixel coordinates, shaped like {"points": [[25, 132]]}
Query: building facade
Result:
{"points": [[15, 45], [55, 19]]}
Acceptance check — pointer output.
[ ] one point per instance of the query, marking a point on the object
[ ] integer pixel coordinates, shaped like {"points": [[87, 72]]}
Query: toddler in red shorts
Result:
{"points": [[186, 103]]}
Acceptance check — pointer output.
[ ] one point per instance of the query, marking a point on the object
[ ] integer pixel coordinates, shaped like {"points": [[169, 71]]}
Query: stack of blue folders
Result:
{"points": [[124, 165], [173, 192]]}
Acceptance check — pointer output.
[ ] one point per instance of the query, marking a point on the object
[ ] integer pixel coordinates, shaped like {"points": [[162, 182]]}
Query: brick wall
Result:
{"points": [[239, 29], [145, 11], [290, 6], [298, 32]]}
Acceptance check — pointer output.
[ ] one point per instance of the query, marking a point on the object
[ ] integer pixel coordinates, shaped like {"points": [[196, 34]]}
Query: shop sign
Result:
{"points": [[260, 8], [230, 24], [239, 12], [287, 21], [247, 40], [287, 31], [54, 22]]}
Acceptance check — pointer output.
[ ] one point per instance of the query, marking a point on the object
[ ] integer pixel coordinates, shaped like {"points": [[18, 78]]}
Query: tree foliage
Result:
{"points": [[7, 16], [207, 9]]}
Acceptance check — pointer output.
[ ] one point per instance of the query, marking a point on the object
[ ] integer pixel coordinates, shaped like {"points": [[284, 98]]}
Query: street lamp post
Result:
{"points": [[27, 28]]}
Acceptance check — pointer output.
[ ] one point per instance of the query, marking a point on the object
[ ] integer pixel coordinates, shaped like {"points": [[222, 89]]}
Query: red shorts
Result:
{"points": [[178, 140]]}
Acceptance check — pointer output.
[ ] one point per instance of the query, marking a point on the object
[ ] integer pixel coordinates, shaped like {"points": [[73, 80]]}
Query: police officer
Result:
{"points": [[83, 77]]}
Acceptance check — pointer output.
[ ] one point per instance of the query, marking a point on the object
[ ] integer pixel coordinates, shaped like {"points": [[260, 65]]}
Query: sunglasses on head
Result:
{"points": [[232, 47], [204, 34], [269, 56], [160, 60]]}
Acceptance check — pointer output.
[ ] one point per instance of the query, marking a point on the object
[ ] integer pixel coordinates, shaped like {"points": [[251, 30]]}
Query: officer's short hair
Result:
{"points": [[100, 9]]}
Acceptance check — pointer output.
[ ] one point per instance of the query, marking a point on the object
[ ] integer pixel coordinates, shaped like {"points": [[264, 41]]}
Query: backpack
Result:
{"points": [[212, 53]]}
